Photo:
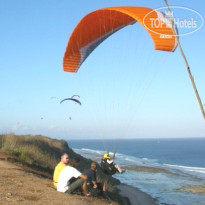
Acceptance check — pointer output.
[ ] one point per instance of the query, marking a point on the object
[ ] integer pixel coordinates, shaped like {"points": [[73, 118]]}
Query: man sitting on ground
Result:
{"points": [[66, 182], [60, 166], [96, 188]]}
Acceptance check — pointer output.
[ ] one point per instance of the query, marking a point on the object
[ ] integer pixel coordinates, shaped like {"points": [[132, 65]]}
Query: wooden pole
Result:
{"points": [[187, 66]]}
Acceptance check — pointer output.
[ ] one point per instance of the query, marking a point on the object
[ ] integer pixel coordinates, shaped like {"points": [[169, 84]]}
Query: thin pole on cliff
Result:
{"points": [[187, 66]]}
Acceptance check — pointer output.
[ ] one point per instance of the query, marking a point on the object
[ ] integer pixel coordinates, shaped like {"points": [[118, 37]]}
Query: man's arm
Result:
{"points": [[82, 176], [94, 184]]}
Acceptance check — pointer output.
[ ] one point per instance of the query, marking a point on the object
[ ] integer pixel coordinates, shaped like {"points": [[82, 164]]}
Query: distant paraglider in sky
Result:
{"points": [[75, 96], [72, 99]]}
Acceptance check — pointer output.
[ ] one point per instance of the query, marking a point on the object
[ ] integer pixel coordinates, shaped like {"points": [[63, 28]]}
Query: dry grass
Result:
{"points": [[37, 150], [40, 154], [23, 188]]}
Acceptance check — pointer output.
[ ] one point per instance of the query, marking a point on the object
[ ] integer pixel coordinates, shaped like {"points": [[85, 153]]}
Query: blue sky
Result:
{"points": [[127, 89]]}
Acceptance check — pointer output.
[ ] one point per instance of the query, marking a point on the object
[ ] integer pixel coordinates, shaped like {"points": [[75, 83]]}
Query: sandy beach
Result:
{"points": [[20, 186]]}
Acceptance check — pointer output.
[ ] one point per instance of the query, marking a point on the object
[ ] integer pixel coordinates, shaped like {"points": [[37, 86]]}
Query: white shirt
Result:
{"points": [[65, 175]]}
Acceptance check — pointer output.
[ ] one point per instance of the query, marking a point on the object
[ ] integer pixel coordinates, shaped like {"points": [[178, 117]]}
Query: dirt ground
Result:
{"points": [[18, 186]]}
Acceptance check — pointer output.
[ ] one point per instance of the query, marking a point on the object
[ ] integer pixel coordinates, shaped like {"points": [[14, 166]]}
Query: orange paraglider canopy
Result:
{"points": [[100, 24]]}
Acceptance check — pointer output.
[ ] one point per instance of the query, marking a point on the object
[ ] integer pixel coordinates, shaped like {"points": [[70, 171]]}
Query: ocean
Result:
{"points": [[170, 170]]}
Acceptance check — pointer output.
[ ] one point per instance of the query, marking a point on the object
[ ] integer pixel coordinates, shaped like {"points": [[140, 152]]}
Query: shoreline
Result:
{"points": [[135, 195]]}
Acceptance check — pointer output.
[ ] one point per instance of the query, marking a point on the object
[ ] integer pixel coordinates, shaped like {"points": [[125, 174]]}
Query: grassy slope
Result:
{"points": [[40, 154]]}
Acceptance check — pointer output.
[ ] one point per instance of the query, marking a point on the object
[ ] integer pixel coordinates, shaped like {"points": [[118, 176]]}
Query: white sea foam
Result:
{"points": [[195, 171]]}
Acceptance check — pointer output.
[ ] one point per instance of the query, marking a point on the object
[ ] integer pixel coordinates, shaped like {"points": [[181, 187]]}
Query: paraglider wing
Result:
{"points": [[95, 27], [75, 96], [73, 99]]}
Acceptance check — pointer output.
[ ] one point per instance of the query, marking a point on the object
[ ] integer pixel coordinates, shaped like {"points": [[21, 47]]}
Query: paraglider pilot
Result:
{"points": [[108, 166]]}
